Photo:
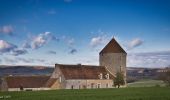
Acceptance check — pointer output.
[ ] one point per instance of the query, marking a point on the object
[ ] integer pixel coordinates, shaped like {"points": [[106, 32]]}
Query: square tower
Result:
{"points": [[113, 58]]}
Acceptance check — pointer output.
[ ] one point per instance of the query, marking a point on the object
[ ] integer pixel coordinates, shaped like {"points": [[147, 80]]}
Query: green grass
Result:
{"points": [[146, 83], [145, 93]]}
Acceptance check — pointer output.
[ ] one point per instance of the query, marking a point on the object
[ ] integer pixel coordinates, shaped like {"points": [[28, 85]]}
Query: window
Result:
{"points": [[100, 76], [98, 85], [72, 87], [92, 85], [60, 79], [107, 76]]}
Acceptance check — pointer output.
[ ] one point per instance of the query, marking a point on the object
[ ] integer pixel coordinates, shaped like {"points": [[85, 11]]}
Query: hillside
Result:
{"points": [[25, 70], [132, 72]]}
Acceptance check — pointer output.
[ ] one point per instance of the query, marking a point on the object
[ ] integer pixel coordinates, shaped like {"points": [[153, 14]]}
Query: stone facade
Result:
{"points": [[113, 58], [89, 84], [81, 83], [114, 62]]}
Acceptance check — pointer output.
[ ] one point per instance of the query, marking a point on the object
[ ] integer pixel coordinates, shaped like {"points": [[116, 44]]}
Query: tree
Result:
{"points": [[119, 79], [165, 76]]}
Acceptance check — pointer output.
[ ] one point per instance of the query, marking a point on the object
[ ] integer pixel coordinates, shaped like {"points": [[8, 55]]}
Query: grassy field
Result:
{"points": [[145, 93], [146, 83]]}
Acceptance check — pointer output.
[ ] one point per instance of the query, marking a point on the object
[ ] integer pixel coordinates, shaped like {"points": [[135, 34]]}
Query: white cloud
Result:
{"points": [[8, 30], [17, 52], [41, 40], [101, 39], [26, 45], [149, 59], [6, 47], [38, 41], [10, 60], [95, 41], [135, 43], [16, 60]]}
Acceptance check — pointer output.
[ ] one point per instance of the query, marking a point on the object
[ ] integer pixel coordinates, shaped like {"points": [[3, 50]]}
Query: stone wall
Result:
{"points": [[114, 62], [58, 74], [89, 84], [56, 85], [3, 85]]}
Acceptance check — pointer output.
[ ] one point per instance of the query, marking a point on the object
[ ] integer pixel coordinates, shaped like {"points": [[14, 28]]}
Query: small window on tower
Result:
{"points": [[60, 79]]}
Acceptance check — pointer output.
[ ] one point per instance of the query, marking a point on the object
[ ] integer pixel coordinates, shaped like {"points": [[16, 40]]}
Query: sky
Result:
{"points": [[45, 32]]}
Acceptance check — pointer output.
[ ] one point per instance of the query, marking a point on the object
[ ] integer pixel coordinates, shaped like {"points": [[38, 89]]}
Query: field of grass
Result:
{"points": [[145, 93], [146, 83]]}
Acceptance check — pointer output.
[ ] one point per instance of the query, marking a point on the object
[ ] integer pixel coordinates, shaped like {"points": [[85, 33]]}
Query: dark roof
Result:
{"points": [[26, 81], [82, 71], [112, 47]]}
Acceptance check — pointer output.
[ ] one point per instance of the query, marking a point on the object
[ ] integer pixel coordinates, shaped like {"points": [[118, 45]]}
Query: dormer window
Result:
{"points": [[100, 76], [107, 76]]}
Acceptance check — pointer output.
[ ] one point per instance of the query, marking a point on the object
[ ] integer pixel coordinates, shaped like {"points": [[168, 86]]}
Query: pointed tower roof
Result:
{"points": [[112, 47]]}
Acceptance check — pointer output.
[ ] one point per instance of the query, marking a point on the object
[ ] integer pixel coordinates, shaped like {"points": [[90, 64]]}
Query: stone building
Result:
{"points": [[81, 77], [113, 58], [24, 83]]}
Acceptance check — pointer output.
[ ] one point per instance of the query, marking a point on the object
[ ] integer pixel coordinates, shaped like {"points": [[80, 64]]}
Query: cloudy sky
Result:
{"points": [[45, 32]]}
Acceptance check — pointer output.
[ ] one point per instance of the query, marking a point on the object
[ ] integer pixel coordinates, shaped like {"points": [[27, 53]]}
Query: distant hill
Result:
{"points": [[133, 73], [136, 73], [25, 70]]}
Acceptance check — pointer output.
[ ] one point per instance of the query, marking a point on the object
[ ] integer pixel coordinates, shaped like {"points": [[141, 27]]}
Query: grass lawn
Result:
{"points": [[147, 83], [142, 93]]}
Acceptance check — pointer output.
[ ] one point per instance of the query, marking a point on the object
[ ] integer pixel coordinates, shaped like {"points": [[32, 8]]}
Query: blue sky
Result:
{"points": [[45, 32]]}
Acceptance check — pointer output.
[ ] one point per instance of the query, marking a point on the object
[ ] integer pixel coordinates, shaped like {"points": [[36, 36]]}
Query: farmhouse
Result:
{"points": [[81, 77], [112, 59]]}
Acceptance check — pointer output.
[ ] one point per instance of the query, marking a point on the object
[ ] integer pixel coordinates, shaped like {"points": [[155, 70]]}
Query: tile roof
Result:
{"points": [[112, 47], [82, 71], [26, 81]]}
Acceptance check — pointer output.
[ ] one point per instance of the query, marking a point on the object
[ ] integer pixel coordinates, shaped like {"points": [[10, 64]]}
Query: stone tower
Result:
{"points": [[113, 57]]}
